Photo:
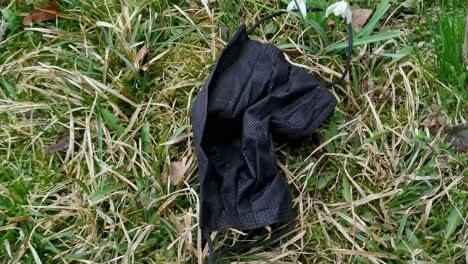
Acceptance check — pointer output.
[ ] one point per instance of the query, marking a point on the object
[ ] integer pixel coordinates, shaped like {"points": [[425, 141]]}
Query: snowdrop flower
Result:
{"points": [[302, 6], [341, 9], [206, 2]]}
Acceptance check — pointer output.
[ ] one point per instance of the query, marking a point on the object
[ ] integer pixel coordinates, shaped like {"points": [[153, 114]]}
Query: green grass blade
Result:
{"points": [[454, 220], [374, 21], [10, 90], [364, 40], [146, 138], [346, 189], [112, 121], [103, 192]]}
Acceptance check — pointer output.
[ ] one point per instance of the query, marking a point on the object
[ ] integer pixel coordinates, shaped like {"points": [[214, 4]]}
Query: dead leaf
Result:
{"points": [[433, 120], [331, 23], [458, 137], [18, 219], [224, 32], [61, 144], [27, 21], [140, 55], [429, 123], [178, 170], [292, 52], [360, 18], [422, 20], [193, 5], [41, 15]]}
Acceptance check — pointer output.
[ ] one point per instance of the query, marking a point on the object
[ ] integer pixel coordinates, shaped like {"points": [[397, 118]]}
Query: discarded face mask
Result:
{"points": [[253, 96]]}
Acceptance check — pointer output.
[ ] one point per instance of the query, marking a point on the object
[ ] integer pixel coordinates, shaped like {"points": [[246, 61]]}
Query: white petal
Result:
{"points": [[337, 11], [349, 15], [341, 9], [291, 6], [205, 2], [331, 9], [302, 7]]}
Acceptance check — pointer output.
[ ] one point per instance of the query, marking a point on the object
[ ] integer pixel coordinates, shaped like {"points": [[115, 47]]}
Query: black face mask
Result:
{"points": [[252, 97]]}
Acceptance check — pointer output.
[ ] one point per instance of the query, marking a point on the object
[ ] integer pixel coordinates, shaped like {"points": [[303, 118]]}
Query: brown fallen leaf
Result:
{"points": [[193, 5], [60, 144], [360, 18], [292, 52], [178, 170], [140, 55], [224, 32], [429, 123], [18, 219], [42, 14]]}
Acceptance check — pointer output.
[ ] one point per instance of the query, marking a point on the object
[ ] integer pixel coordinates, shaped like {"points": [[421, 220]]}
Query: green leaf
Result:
{"points": [[305, 48], [100, 133], [5, 203], [104, 191], [127, 61], [174, 38], [400, 54], [11, 17], [346, 189], [146, 138], [462, 79], [82, 185], [402, 226], [397, 56], [270, 28], [454, 220], [10, 90], [413, 241], [78, 256], [112, 121], [364, 40], [323, 181], [375, 137], [179, 131]]}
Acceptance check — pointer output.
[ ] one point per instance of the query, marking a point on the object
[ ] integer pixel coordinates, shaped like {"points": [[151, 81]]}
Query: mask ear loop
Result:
{"points": [[348, 57], [255, 244], [350, 42], [211, 250]]}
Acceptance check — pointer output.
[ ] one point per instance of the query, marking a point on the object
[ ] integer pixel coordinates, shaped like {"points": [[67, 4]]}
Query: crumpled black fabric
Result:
{"points": [[252, 97]]}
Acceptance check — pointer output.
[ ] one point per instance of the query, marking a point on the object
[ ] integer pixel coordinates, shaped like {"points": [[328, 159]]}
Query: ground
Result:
{"points": [[96, 150]]}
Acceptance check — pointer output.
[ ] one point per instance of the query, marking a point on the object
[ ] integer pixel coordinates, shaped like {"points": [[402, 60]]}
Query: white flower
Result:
{"points": [[341, 9], [302, 6], [206, 2]]}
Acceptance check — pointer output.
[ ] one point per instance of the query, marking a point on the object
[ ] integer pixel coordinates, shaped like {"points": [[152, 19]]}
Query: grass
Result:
{"points": [[95, 115]]}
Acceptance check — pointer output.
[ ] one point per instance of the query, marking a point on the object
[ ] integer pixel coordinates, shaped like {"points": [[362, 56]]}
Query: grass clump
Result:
{"points": [[449, 41]]}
